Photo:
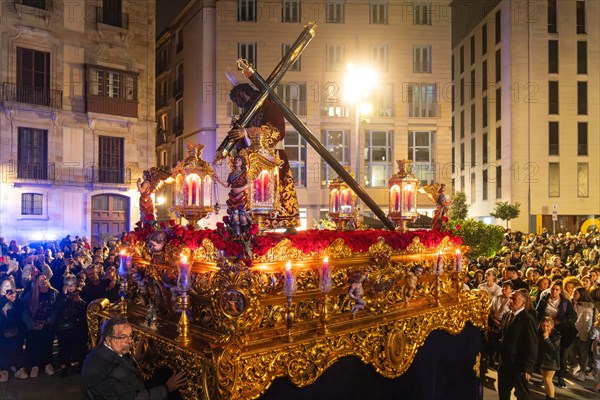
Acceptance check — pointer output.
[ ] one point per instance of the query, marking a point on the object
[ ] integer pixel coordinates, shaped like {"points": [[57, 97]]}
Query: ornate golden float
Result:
{"points": [[246, 328]]}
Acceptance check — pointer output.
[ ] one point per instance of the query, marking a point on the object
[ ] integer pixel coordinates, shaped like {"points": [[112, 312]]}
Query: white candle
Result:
{"points": [[458, 260], [289, 284], [440, 266]]}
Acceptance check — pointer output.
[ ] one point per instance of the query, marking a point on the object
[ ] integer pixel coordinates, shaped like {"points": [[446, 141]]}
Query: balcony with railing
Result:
{"points": [[13, 93], [108, 175], [36, 171], [112, 106], [119, 20]]}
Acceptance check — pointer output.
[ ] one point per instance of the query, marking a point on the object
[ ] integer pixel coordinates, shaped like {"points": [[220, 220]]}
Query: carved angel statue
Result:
{"points": [[411, 280], [151, 181], [435, 192], [356, 292]]}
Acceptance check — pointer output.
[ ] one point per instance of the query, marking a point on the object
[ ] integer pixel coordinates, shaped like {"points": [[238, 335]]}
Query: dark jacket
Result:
{"points": [[70, 311], [549, 351], [566, 316], [106, 375], [519, 345]]}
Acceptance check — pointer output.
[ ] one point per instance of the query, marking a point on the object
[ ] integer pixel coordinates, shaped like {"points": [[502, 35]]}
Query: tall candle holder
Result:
{"points": [[289, 291], [125, 266], [325, 287], [183, 284]]}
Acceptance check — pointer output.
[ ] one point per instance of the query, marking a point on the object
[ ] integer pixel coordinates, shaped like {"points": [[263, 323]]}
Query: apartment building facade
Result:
{"points": [[407, 43], [77, 125], [526, 113]]}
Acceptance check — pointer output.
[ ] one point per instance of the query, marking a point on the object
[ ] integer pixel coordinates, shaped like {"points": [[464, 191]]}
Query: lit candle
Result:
{"points": [[396, 194], [289, 283], [409, 198], [440, 265], [458, 260], [125, 264], [183, 281], [197, 197], [325, 284]]}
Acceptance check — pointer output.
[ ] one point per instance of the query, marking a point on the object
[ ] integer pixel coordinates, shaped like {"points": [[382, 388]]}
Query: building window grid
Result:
{"points": [[462, 124], [110, 160], [294, 96], [498, 104], [462, 158], [379, 56], [32, 153], [472, 85], [473, 118], [582, 139], [113, 84], [498, 27], [498, 143], [552, 17], [247, 51], [472, 49], [291, 11], [335, 57], [582, 98], [553, 57], [553, 180], [498, 182], [484, 39], [378, 12], [422, 100], [422, 59], [422, 13], [484, 76], [246, 11], [334, 11], [462, 91], [421, 151], [337, 142], [378, 157], [553, 101], [484, 185], [582, 57], [32, 204], [583, 179], [553, 138], [384, 100], [473, 188], [580, 17], [295, 149], [473, 153], [498, 61], [462, 59], [484, 148], [484, 112]]}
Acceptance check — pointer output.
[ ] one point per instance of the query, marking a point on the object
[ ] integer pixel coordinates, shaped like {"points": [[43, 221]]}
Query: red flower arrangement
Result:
{"points": [[308, 241]]}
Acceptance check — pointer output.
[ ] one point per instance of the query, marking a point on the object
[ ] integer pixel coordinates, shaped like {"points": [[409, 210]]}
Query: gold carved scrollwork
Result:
{"points": [[381, 247], [338, 249], [416, 247], [282, 251], [93, 321], [207, 252]]}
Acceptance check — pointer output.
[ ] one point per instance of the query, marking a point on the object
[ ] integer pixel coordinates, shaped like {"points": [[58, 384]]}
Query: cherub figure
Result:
{"points": [[152, 180], [411, 280], [355, 291]]}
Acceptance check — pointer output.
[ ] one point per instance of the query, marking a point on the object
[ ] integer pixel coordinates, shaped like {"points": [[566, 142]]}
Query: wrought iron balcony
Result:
{"points": [[29, 95], [36, 171], [107, 175]]}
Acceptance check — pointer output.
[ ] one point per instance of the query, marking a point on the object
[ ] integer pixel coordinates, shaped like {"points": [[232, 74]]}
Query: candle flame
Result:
{"points": [[439, 253], [326, 260], [183, 259], [288, 266], [457, 252], [123, 252]]}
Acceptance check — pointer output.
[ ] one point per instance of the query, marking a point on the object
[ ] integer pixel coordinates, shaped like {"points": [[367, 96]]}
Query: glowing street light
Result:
{"points": [[358, 85]]}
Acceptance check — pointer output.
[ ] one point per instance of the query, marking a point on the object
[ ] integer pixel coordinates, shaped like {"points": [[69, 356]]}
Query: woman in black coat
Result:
{"points": [[12, 335], [555, 305], [548, 354]]}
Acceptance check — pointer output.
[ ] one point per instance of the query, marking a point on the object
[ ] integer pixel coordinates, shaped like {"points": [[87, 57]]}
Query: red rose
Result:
{"points": [[226, 219], [458, 227], [254, 229]]}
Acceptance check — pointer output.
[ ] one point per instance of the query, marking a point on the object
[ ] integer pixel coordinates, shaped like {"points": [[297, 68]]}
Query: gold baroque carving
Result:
{"points": [[283, 251], [338, 249], [415, 247]]}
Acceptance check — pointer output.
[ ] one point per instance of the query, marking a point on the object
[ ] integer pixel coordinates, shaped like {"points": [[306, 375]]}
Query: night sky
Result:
{"points": [[166, 10]]}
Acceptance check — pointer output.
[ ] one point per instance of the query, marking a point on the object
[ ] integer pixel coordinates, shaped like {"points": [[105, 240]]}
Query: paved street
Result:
{"points": [[57, 388]]}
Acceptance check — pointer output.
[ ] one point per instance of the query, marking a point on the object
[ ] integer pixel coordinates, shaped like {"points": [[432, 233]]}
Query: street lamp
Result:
{"points": [[359, 83]]}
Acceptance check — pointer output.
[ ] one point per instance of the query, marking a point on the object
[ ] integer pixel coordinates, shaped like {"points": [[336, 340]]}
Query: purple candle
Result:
{"points": [[458, 260], [440, 265], [125, 264], [183, 281], [289, 283]]}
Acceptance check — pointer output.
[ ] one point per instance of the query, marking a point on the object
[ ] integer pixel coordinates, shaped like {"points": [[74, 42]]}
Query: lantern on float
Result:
{"points": [[403, 195], [342, 204], [193, 186]]}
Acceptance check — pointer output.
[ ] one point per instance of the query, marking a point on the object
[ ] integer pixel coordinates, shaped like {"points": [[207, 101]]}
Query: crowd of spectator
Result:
{"points": [[561, 276], [44, 292]]}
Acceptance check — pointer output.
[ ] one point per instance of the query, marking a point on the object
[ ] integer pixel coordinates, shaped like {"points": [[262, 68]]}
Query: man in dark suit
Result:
{"points": [[518, 349], [110, 372], [512, 273]]}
